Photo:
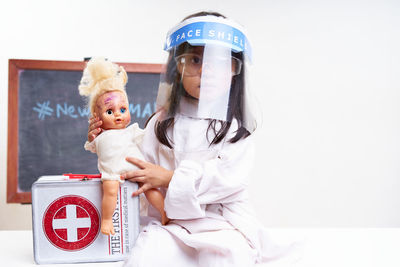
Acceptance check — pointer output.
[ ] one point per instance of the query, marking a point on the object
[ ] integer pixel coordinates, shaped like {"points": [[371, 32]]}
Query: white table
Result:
{"points": [[16, 250], [322, 248]]}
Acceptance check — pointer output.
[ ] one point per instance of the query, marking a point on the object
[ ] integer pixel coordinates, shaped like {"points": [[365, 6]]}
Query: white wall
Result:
{"points": [[326, 74]]}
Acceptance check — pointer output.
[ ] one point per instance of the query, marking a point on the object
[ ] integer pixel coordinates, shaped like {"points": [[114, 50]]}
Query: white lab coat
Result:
{"points": [[212, 221]]}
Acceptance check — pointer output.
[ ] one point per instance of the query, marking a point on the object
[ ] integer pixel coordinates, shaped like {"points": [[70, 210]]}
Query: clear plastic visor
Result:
{"points": [[206, 74], [206, 82]]}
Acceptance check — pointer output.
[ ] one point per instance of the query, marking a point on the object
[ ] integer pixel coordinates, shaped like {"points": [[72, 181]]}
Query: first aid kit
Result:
{"points": [[66, 220]]}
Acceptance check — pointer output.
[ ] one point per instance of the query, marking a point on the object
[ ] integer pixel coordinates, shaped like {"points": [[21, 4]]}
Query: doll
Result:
{"points": [[103, 82]]}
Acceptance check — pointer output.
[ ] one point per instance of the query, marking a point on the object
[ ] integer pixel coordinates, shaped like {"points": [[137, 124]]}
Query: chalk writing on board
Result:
{"points": [[44, 109]]}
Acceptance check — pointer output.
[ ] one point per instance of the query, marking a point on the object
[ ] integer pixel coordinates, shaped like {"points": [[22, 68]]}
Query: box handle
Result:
{"points": [[82, 177]]}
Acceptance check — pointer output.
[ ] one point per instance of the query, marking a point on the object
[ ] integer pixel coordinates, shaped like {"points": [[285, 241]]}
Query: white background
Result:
{"points": [[326, 74]]}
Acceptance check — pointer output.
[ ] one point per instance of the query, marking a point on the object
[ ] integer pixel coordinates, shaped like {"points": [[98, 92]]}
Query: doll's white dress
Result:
{"points": [[112, 147], [212, 223]]}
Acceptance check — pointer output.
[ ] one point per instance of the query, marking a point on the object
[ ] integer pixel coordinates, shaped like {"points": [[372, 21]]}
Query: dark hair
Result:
{"points": [[205, 13], [235, 106]]}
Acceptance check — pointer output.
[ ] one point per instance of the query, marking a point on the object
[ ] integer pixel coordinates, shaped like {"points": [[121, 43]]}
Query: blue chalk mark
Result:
{"points": [[43, 110]]}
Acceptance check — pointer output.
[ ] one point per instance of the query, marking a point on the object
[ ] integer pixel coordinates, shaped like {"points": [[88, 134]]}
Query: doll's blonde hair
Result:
{"points": [[99, 77]]}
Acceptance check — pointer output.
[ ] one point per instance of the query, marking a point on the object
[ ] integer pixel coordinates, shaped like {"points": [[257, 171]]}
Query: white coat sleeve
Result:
{"points": [[220, 180], [149, 144]]}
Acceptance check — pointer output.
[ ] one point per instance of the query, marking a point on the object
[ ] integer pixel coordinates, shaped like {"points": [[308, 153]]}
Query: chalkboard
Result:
{"points": [[48, 119]]}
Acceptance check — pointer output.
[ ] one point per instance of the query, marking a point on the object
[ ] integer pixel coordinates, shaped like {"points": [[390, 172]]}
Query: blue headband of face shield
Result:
{"points": [[209, 30]]}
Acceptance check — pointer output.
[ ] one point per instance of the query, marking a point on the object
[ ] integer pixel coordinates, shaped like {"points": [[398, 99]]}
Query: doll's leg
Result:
{"points": [[110, 194], [156, 199]]}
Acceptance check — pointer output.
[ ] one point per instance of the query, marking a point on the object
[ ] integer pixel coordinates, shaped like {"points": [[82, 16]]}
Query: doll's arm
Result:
{"points": [[136, 133], [90, 146], [110, 193]]}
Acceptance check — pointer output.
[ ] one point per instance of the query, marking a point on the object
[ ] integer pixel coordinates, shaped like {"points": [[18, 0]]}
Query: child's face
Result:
{"points": [[113, 109], [212, 80], [192, 83]]}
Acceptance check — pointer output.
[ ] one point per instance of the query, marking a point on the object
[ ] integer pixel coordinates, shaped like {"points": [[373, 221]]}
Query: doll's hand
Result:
{"points": [[148, 176], [94, 128]]}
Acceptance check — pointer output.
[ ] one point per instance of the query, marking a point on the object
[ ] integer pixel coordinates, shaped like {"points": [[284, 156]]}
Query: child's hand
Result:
{"points": [[94, 128], [148, 176]]}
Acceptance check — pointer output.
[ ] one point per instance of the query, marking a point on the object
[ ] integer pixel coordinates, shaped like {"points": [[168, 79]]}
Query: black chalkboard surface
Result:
{"points": [[47, 124]]}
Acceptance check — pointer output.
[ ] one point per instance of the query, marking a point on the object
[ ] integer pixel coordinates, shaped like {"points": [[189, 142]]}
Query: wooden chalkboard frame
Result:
{"points": [[15, 66]]}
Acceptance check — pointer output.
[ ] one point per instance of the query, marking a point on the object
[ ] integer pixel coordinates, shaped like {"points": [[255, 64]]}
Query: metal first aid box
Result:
{"points": [[66, 216]]}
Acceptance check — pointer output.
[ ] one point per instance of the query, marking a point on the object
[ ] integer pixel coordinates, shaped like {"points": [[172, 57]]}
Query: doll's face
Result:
{"points": [[113, 109]]}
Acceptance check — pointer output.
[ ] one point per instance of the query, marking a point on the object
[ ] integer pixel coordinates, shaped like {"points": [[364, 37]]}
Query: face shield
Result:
{"points": [[205, 75]]}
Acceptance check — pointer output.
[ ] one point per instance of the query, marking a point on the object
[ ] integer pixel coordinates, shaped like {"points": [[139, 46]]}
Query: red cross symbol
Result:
{"points": [[71, 223]]}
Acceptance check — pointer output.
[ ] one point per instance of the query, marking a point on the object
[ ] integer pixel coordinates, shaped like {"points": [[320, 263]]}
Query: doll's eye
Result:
{"points": [[123, 110], [109, 112]]}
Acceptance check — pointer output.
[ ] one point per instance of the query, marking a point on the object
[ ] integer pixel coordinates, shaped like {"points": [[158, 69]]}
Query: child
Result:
{"points": [[104, 83], [203, 133]]}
